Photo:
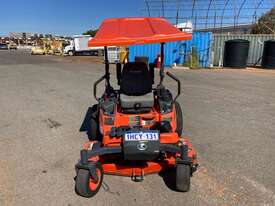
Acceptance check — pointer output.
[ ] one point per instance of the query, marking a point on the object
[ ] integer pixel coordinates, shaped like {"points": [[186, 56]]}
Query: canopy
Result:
{"points": [[139, 30]]}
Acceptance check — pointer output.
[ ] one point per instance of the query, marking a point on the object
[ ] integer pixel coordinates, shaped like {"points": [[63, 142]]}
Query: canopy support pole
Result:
{"points": [[107, 70], [161, 71]]}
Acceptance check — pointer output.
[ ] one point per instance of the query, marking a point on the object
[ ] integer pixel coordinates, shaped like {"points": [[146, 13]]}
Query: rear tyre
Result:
{"points": [[178, 118], [93, 129], [85, 185], [183, 175], [93, 132]]}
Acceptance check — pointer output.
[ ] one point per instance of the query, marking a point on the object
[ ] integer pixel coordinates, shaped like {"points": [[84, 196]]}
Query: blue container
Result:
{"points": [[177, 52]]}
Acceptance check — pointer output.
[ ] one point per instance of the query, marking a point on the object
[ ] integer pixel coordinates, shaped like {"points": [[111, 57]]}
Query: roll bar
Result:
{"points": [[161, 70], [178, 82], [95, 86], [106, 76], [107, 67]]}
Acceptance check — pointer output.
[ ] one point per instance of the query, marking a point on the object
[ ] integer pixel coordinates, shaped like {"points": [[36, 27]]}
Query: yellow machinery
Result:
{"points": [[54, 47], [38, 50], [123, 55], [49, 47]]}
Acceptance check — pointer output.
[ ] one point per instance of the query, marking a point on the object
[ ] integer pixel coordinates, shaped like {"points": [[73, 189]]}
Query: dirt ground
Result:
{"points": [[229, 116]]}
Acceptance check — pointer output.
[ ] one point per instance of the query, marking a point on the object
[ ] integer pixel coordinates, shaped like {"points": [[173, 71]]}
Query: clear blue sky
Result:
{"points": [[68, 17], [64, 17]]}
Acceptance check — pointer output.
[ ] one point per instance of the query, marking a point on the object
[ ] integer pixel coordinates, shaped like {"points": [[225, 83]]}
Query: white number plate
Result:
{"points": [[139, 136]]}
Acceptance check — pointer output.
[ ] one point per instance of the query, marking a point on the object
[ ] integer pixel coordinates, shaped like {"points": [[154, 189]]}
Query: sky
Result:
{"points": [[61, 17], [69, 17]]}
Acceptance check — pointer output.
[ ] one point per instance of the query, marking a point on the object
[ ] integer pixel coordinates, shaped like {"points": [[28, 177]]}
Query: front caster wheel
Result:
{"points": [[183, 175], [85, 185]]}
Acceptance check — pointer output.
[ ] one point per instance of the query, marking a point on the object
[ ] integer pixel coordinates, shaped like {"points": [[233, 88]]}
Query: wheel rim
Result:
{"points": [[92, 183]]}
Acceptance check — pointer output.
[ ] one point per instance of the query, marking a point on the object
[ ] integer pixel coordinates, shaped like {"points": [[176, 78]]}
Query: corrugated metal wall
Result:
{"points": [[177, 52], [255, 50]]}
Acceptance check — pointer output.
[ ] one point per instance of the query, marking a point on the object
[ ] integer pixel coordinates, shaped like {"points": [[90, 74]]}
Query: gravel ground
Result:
{"points": [[229, 116]]}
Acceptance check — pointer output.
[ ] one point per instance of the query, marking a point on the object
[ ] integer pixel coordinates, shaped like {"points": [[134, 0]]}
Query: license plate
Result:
{"points": [[141, 136]]}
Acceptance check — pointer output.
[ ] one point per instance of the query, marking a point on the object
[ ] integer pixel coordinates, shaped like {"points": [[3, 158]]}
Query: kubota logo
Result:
{"points": [[142, 146]]}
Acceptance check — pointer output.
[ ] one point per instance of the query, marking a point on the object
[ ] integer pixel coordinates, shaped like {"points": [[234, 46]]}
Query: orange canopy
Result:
{"points": [[140, 30]]}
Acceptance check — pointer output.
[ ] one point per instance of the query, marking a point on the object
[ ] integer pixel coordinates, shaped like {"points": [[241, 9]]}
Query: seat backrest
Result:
{"points": [[144, 59], [135, 79]]}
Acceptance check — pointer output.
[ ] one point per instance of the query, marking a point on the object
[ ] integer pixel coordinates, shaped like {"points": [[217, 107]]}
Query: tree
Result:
{"points": [[265, 24], [90, 32]]}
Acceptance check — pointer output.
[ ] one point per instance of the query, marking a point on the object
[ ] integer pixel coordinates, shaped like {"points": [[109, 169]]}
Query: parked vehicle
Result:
{"points": [[3, 46], [36, 50], [12, 45], [79, 46]]}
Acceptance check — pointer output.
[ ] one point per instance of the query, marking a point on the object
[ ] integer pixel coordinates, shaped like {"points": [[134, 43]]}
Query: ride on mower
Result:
{"points": [[135, 130]]}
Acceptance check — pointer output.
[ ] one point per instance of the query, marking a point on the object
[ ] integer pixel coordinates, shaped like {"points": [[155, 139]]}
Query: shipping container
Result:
{"points": [[177, 52]]}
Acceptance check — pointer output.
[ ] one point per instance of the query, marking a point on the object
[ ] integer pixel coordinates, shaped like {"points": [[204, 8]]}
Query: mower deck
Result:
{"points": [[111, 159]]}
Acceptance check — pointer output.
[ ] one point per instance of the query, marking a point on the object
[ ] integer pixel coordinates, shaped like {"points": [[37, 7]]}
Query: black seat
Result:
{"points": [[135, 79], [136, 88]]}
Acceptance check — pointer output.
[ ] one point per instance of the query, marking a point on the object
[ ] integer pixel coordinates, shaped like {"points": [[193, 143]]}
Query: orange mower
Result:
{"points": [[135, 130]]}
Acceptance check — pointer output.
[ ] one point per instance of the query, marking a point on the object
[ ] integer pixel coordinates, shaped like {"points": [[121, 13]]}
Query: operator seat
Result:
{"points": [[136, 94]]}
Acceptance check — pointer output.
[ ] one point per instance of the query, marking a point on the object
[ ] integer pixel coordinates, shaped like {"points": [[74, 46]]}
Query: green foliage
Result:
{"points": [[265, 24], [192, 60], [90, 32]]}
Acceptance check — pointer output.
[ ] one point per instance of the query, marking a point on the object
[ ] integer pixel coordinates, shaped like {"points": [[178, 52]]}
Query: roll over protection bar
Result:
{"points": [[178, 82], [95, 86]]}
